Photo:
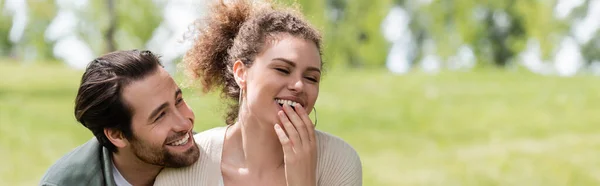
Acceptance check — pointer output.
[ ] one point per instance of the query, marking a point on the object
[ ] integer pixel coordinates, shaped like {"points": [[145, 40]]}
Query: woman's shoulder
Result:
{"points": [[210, 142], [206, 170], [217, 131], [338, 162], [334, 150], [331, 144], [211, 136]]}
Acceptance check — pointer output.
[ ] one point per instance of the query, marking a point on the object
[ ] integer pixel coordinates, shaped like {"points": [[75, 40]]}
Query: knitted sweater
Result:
{"points": [[337, 162]]}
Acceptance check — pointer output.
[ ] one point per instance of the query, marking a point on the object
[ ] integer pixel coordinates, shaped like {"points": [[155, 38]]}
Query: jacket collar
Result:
{"points": [[107, 167]]}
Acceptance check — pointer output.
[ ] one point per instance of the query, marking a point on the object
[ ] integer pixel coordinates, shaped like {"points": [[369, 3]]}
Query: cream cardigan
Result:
{"points": [[337, 163]]}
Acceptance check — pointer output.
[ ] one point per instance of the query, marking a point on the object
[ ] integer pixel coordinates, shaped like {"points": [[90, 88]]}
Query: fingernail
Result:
{"points": [[277, 126]]}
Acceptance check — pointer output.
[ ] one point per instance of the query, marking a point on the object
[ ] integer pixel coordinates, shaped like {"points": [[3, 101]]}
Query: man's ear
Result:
{"points": [[116, 137], [239, 72]]}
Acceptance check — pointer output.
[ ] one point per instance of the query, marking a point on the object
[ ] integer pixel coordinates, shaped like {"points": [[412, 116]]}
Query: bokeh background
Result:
{"points": [[429, 92]]}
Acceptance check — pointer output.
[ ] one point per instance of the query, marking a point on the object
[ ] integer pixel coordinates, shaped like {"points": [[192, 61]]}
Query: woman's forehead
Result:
{"points": [[288, 48]]}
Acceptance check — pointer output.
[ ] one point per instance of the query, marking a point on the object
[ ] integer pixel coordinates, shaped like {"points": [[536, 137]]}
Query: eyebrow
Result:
{"points": [[178, 92], [157, 110], [291, 63], [162, 106]]}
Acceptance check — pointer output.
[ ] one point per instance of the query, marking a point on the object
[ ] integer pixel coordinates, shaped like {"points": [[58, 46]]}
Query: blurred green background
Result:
{"points": [[429, 92]]}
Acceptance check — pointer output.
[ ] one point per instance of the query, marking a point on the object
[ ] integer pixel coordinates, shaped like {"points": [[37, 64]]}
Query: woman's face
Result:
{"points": [[288, 70]]}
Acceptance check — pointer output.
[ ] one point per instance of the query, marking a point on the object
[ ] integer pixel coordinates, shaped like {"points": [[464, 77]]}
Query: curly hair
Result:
{"points": [[239, 30]]}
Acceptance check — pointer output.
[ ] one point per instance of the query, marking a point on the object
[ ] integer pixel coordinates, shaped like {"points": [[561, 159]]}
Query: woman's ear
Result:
{"points": [[239, 72]]}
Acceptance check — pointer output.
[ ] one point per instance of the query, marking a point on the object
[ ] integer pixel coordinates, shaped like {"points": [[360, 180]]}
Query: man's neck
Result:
{"points": [[134, 170]]}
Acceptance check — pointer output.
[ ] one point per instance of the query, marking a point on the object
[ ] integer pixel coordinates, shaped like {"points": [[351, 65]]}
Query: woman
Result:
{"points": [[268, 61]]}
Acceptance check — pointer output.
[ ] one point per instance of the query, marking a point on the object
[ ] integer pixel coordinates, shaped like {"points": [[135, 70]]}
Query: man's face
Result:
{"points": [[161, 121]]}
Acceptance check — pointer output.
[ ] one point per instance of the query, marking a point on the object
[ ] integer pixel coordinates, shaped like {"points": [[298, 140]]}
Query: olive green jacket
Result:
{"points": [[89, 164]]}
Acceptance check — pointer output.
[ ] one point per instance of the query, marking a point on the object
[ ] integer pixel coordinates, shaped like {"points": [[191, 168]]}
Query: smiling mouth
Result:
{"points": [[182, 141], [291, 103]]}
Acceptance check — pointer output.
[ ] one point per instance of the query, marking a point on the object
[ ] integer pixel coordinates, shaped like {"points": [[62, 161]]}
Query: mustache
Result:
{"points": [[176, 136]]}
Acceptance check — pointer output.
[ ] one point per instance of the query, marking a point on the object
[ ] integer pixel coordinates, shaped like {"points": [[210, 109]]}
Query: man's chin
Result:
{"points": [[183, 159]]}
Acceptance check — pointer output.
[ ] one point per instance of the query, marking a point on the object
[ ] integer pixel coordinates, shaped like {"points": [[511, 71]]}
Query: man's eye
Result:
{"points": [[159, 116]]}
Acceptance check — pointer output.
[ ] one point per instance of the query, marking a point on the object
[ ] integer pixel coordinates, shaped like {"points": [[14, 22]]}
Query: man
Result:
{"points": [[139, 119]]}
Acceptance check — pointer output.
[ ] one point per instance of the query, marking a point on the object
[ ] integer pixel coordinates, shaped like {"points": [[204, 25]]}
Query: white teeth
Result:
{"points": [[288, 102], [181, 141]]}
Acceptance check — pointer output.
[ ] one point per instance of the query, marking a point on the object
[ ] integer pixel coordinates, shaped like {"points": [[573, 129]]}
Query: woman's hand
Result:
{"points": [[299, 146]]}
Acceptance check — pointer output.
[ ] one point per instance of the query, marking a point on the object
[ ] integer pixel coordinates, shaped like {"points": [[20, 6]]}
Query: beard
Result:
{"points": [[159, 155]]}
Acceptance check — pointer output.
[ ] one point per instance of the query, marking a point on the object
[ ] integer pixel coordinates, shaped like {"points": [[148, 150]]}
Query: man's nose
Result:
{"points": [[182, 123]]}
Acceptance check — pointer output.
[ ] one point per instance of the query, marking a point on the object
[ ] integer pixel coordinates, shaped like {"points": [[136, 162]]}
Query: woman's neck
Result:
{"points": [[253, 146]]}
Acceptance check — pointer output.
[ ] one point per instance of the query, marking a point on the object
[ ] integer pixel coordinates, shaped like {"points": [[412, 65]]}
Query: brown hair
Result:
{"points": [[99, 103], [239, 30]]}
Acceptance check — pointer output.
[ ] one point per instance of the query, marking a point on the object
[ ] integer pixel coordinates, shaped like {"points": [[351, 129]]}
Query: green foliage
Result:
{"points": [[352, 37], [454, 23], [351, 28], [33, 45], [5, 43], [539, 23], [591, 49], [136, 21]]}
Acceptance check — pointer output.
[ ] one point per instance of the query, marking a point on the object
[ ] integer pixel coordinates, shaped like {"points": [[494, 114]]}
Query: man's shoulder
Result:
{"points": [[80, 166]]}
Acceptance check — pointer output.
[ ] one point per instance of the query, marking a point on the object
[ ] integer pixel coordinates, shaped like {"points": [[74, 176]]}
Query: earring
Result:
{"points": [[315, 110], [240, 98]]}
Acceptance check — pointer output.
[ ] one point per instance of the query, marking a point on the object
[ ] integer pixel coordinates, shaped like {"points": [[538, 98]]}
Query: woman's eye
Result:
{"points": [[312, 79], [282, 70]]}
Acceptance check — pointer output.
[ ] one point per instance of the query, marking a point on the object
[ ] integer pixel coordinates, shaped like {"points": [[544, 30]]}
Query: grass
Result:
{"points": [[486, 127]]}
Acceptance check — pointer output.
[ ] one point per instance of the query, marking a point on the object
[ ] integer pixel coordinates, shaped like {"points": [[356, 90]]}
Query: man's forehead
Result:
{"points": [[150, 91]]}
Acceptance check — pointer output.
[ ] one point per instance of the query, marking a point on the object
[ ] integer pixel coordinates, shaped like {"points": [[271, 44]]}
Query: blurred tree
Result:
{"points": [[118, 25], [354, 35], [591, 48], [109, 36], [33, 45], [497, 29], [538, 22], [5, 25], [351, 30], [104, 25]]}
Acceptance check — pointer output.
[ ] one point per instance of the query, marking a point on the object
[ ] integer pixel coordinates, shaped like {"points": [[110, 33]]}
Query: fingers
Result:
{"points": [[310, 127], [289, 128], [298, 123], [285, 141]]}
